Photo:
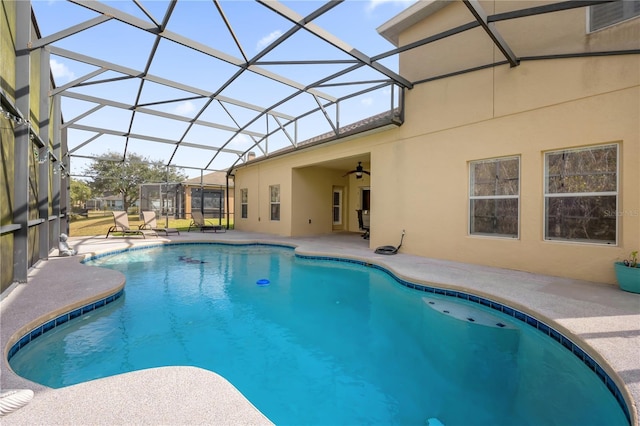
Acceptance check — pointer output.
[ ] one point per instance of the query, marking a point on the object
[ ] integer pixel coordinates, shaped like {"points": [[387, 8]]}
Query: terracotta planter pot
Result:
{"points": [[628, 278]]}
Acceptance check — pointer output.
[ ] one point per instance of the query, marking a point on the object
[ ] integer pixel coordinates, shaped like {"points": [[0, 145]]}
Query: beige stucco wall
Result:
{"points": [[545, 34], [436, 146], [420, 174]]}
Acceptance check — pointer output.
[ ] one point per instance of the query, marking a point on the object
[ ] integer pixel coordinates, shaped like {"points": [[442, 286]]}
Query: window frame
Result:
{"points": [[626, 7], [338, 206], [273, 203], [244, 203], [546, 195], [472, 197]]}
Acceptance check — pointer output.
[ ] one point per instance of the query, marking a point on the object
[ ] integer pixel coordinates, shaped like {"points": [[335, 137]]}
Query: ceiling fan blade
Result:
{"points": [[359, 170]]}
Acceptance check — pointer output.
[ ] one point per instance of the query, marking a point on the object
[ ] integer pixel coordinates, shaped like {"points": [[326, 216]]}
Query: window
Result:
{"points": [[244, 203], [494, 197], [337, 206], [607, 14], [581, 194], [365, 195], [274, 190]]}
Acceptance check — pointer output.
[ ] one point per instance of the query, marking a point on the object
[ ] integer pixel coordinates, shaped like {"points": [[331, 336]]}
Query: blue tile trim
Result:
{"points": [[192, 243], [521, 316], [61, 319]]}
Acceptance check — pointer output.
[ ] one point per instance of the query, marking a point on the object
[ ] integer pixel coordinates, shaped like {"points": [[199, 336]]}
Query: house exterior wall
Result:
{"points": [[312, 201], [257, 180], [437, 210], [420, 171], [298, 194]]}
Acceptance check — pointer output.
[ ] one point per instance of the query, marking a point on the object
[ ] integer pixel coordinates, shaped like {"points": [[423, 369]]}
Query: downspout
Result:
{"points": [[227, 196]]}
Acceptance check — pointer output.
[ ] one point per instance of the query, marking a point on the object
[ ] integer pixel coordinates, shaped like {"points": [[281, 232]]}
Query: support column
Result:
{"points": [[22, 144], [58, 178], [61, 204], [44, 157]]}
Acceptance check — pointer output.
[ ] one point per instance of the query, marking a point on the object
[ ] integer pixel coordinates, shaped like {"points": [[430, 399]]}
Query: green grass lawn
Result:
{"points": [[98, 223]]}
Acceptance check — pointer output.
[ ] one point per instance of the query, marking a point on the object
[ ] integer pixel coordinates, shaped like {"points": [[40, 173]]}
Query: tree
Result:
{"points": [[112, 175], [79, 192]]}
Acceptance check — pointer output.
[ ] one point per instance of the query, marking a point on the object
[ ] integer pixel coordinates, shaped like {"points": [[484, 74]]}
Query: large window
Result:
{"points": [[607, 14], [244, 203], [581, 194], [494, 197], [274, 191]]}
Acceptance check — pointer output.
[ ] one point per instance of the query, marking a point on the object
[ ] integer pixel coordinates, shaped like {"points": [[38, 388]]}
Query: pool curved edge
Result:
{"points": [[32, 309], [583, 351], [587, 354]]}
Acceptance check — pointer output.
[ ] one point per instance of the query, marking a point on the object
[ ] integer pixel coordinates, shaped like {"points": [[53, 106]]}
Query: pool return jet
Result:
{"points": [[390, 249]]}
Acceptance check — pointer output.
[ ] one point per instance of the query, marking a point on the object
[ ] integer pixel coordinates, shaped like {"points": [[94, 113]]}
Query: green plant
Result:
{"points": [[632, 262]]}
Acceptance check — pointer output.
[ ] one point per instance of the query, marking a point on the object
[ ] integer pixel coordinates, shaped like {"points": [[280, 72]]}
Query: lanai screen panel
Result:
{"points": [[203, 83]]}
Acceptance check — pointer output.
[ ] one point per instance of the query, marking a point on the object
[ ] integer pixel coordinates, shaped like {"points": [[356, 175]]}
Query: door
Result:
{"points": [[365, 199]]}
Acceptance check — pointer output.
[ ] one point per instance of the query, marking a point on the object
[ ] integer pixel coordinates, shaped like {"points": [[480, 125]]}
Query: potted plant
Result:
{"points": [[628, 273]]}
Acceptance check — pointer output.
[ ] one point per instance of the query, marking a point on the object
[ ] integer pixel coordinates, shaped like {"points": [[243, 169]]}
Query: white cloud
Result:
{"points": [[184, 108], [60, 72], [264, 41], [240, 142], [367, 101]]}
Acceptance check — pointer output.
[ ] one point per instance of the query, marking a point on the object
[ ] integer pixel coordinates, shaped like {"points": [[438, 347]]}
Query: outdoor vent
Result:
{"points": [[607, 14]]}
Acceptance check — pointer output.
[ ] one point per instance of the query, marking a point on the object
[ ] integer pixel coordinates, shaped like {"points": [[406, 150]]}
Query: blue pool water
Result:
{"points": [[322, 343]]}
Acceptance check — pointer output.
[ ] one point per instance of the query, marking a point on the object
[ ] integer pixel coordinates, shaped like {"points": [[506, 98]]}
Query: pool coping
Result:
{"points": [[400, 273]]}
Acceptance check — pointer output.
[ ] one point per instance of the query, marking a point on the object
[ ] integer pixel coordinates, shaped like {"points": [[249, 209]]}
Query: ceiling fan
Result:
{"points": [[358, 171]]}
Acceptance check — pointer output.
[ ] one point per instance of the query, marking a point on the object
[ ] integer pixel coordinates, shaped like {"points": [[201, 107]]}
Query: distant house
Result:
{"points": [[108, 202], [208, 194], [178, 199]]}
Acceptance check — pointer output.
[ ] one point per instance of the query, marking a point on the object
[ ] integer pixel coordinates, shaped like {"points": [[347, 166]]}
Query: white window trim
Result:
{"points": [[588, 21], [339, 205], [546, 195], [242, 203], [271, 203], [493, 197]]}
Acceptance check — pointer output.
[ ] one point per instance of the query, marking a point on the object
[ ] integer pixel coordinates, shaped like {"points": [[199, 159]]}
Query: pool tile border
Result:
{"points": [[75, 313], [60, 320], [190, 243], [546, 329]]}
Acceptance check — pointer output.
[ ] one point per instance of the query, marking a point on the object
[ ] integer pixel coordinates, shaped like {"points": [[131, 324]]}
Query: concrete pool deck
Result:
{"points": [[602, 319]]}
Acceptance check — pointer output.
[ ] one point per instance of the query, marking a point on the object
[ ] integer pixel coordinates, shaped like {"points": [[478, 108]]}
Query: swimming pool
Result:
{"points": [[325, 342]]}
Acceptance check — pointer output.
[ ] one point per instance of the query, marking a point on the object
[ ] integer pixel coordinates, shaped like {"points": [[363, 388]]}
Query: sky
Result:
{"points": [[255, 26]]}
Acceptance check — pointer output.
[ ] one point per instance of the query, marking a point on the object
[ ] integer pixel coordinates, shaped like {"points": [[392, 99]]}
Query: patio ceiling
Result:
{"points": [[186, 83]]}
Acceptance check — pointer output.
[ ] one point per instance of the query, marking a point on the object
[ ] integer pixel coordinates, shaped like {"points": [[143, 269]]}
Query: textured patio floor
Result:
{"points": [[600, 318]]}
